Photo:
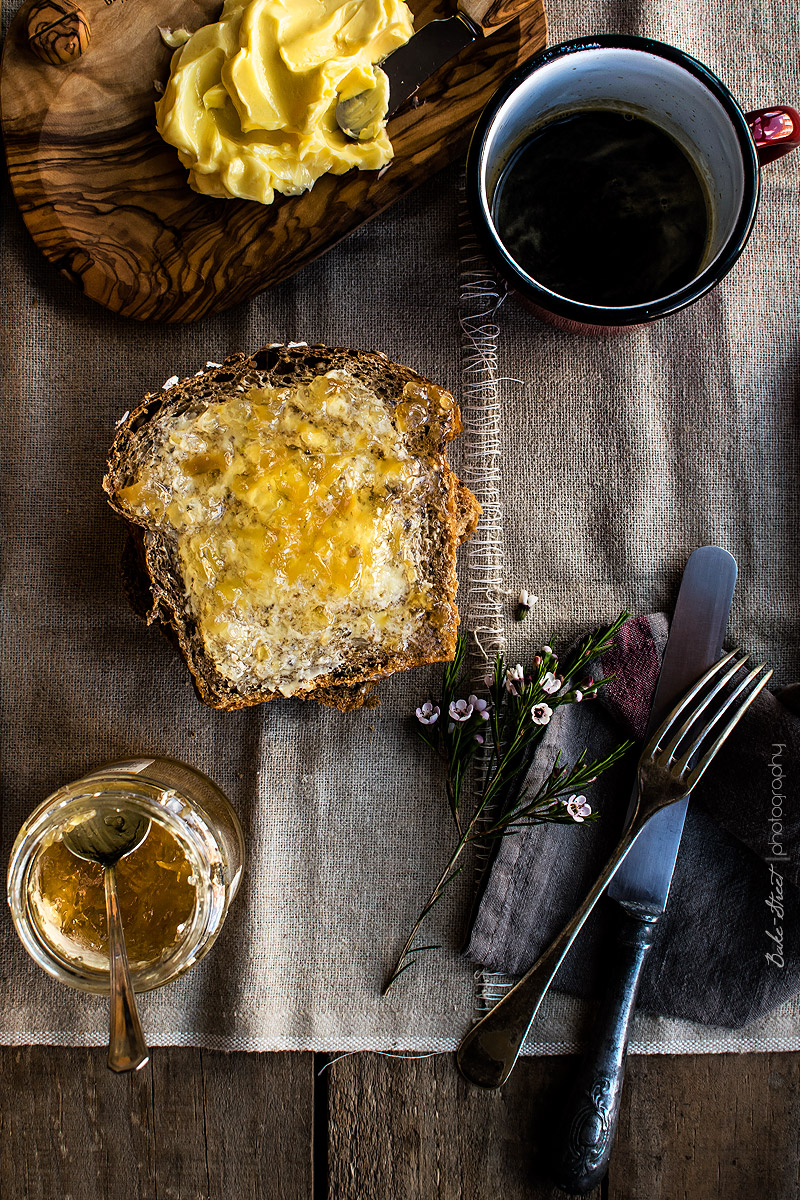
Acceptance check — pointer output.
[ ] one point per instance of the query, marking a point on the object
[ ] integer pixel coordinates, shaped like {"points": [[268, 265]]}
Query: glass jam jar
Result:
{"points": [[174, 888]]}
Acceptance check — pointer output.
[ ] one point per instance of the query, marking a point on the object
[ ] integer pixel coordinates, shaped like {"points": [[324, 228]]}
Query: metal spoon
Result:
{"points": [[105, 838], [361, 117]]}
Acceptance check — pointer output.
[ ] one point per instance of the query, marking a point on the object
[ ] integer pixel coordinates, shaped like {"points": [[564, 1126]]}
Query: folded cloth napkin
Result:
{"points": [[726, 951]]}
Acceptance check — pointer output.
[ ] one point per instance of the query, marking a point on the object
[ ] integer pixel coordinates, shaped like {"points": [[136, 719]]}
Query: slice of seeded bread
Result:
{"points": [[245, 486]]}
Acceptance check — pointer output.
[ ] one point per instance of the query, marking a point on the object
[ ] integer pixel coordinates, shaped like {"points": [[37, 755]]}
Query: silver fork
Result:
{"points": [[490, 1049]]}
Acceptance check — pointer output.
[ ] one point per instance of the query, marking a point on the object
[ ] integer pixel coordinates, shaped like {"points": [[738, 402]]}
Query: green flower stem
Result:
{"points": [[448, 874], [514, 736], [452, 799]]}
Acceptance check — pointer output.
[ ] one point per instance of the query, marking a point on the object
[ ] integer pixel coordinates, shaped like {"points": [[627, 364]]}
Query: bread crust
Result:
{"points": [[151, 565]]}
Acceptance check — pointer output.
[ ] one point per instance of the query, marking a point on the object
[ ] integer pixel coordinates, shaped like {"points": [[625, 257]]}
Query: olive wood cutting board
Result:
{"points": [[106, 200]]}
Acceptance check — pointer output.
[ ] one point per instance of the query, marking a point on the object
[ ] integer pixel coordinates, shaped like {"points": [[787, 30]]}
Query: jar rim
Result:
{"points": [[173, 812]]}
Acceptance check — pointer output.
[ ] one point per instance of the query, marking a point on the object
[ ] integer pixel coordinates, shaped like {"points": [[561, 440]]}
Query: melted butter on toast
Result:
{"points": [[301, 526]]}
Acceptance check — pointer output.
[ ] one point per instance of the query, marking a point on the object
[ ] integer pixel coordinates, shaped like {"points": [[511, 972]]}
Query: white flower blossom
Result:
{"points": [[514, 675], [479, 707], [551, 684], [428, 714], [541, 714], [525, 602], [577, 808], [461, 710]]}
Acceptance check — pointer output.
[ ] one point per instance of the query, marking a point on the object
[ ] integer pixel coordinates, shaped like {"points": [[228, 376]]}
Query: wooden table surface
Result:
{"points": [[205, 1125]]}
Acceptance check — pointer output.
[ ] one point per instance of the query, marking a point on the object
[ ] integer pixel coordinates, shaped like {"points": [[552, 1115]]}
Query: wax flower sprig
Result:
{"points": [[505, 726]]}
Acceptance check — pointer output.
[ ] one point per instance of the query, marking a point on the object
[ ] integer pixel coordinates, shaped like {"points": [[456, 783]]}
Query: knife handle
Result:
{"points": [[590, 1121], [491, 14]]}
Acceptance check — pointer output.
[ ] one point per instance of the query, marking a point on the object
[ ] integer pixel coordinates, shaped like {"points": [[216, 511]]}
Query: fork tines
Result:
{"points": [[692, 713]]}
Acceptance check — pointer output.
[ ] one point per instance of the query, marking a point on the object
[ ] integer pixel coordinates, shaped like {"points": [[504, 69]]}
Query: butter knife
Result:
{"points": [[409, 66], [640, 887]]}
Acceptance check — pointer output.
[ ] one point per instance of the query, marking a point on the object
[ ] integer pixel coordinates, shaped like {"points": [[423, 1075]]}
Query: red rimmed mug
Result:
{"points": [[672, 90]]}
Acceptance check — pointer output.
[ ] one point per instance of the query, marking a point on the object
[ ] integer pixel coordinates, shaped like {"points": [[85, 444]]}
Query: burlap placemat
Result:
{"points": [[598, 473]]}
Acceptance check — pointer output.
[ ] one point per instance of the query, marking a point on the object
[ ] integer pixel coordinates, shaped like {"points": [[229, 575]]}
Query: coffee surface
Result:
{"points": [[603, 207]]}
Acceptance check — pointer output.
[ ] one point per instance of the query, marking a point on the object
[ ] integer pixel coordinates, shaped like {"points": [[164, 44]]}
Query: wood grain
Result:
{"points": [[57, 30], [194, 1125], [413, 1128], [693, 1127], [108, 203], [709, 1127], [204, 1125], [492, 14]]}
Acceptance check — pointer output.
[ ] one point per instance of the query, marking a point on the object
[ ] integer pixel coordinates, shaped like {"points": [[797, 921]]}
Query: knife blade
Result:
{"points": [[694, 644], [640, 887], [410, 65]]}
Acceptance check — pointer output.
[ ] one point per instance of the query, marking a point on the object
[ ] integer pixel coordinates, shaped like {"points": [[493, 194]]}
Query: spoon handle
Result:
{"points": [[127, 1050]]}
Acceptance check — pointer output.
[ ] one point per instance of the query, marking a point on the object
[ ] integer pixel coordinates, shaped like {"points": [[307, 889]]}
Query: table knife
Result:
{"points": [[409, 66], [640, 887]]}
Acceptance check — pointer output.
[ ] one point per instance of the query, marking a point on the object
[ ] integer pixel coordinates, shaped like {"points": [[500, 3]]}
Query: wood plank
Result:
{"points": [[71, 1129], [709, 1127], [108, 202], [193, 1125], [693, 1127], [259, 1117], [413, 1129]]}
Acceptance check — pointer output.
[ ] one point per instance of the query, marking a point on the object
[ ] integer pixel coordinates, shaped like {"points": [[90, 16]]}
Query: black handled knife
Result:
{"points": [[641, 885]]}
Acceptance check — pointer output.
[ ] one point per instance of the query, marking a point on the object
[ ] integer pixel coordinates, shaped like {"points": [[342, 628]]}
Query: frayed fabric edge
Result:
{"points": [[480, 298]]}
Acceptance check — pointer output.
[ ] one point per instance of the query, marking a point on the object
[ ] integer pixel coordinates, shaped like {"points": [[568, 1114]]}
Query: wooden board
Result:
{"points": [[108, 203]]}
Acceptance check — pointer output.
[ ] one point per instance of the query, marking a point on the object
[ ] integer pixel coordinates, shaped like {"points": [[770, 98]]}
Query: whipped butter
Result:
{"points": [[251, 100], [300, 517]]}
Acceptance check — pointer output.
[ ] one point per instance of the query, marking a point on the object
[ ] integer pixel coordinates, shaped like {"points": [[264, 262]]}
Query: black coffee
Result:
{"points": [[603, 207]]}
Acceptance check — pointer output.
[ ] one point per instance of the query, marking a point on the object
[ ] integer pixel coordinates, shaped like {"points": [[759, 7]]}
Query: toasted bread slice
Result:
{"points": [[296, 522]]}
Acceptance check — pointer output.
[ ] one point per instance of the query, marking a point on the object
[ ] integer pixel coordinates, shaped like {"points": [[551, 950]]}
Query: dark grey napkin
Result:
{"points": [[726, 951]]}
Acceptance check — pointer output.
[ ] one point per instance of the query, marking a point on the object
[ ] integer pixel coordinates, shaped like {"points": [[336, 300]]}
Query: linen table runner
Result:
{"points": [[599, 473]]}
